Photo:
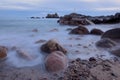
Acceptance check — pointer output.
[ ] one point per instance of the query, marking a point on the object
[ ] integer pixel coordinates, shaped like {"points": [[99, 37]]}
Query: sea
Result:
{"points": [[23, 34]]}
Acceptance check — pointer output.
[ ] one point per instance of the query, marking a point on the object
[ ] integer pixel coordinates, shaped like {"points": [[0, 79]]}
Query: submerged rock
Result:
{"points": [[3, 52], [96, 31], [106, 43], [112, 34], [56, 61], [116, 52], [79, 30], [24, 55], [52, 46]]}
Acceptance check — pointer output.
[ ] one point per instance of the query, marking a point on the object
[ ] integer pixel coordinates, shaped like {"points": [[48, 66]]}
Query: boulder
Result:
{"points": [[106, 43], [52, 46], [96, 31], [116, 52], [3, 52], [112, 34], [79, 30], [56, 61]]}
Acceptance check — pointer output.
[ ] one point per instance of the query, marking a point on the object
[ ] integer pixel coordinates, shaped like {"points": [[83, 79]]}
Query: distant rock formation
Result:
{"points": [[52, 15], [34, 17], [77, 19]]}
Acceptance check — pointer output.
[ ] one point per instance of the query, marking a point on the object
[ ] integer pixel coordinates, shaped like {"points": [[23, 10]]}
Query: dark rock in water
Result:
{"points": [[112, 34], [52, 46], [40, 41], [73, 19], [3, 52], [92, 59], [52, 16], [77, 19], [80, 30], [116, 52], [56, 61], [96, 31], [106, 43], [35, 17]]}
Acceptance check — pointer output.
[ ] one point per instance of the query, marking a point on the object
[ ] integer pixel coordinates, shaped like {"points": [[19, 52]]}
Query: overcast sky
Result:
{"points": [[61, 5]]}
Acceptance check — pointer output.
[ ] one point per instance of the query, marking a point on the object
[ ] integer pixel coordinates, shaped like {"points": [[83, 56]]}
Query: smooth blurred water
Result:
{"points": [[20, 34]]}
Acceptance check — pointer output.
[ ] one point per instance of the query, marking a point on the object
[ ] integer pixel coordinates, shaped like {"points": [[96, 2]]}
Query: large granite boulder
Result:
{"points": [[3, 52], [106, 43], [112, 34], [51, 46], [52, 15], [96, 31], [56, 61], [79, 30]]}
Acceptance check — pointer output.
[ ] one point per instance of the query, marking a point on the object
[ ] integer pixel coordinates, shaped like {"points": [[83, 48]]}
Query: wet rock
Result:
{"points": [[35, 30], [116, 52], [24, 55], [79, 30], [52, 46], [92, 59], [3, 52], [68, 29], [73, 19], [56, 61], [112, 34], [52, 15], [40, 41], [106, 43], [54, 30], [96, 31]]}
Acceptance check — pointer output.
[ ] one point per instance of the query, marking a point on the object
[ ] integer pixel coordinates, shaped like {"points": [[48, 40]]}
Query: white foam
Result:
{"points": [[24, 38]]}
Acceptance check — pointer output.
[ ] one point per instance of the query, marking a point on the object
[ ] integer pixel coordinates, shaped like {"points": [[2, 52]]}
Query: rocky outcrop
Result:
{"points": [[52, 15], [79, 30], [106, 43], [35, 17], [96, 31], [77, 19], [112, 34], [56, 61], [3, 52], [73, 19], [52, 46]]}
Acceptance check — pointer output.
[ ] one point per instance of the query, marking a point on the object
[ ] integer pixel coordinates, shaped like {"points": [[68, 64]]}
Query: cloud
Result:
{"points": [[100, 5]]}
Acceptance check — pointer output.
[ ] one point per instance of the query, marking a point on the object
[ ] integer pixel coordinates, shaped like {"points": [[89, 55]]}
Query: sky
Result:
{"points": [[40, 7]]}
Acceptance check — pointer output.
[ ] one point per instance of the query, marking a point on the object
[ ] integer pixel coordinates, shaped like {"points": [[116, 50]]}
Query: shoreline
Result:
{"points": [[35, 72]]}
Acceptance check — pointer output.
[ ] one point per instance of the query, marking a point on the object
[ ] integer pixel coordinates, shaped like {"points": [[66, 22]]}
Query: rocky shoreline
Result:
{"points": [[57, 65], [76, 19]]}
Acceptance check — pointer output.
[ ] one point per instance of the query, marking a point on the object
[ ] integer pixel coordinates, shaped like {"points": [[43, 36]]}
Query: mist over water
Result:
{"points": [[20, 34]]}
